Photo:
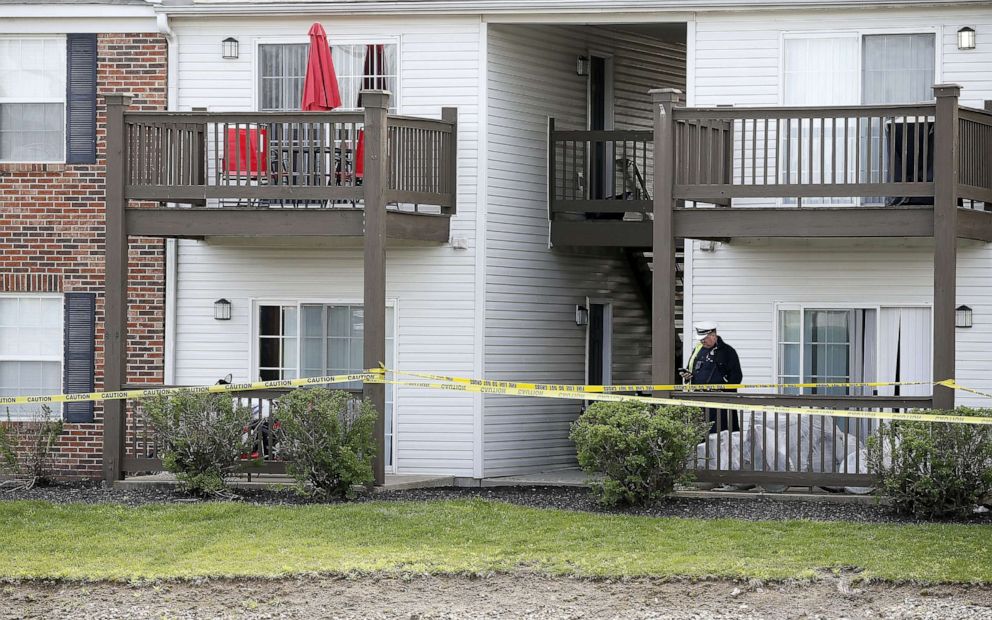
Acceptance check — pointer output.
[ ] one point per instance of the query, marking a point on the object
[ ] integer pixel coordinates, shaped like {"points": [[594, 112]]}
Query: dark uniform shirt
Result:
{"points": [[718, 364]]}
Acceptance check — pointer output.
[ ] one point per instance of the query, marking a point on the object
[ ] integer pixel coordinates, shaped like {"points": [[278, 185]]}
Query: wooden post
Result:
{"points": [[663, 340], [115, 297], [945, 216], [374, 187], [450, 115], [552, 168]]}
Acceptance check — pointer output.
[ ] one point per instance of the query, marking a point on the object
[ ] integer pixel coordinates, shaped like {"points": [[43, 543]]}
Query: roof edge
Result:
{"points": [[524, 7]]}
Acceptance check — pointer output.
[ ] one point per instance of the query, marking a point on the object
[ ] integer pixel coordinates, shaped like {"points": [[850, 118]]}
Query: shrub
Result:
{"points": [[328, 443], [642, 450], [933, 469], [202, 437], [27, 447]]}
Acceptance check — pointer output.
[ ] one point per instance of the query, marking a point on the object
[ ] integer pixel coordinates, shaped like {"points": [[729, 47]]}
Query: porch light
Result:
{"points": [[582, 65], [966, 38], [962, 316], [230, 48], [581, 315], [222, 310]]}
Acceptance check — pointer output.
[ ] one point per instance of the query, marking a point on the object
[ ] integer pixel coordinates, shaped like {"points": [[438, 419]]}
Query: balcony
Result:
{"points": [[253, 174], [370, 176], [848, 171]]}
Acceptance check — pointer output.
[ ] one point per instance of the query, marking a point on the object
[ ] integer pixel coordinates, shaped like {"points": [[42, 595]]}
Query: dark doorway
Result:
{"points": [[598, 345], [599, 119]]}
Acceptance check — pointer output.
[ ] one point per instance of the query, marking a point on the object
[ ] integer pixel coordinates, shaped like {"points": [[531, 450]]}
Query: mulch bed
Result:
{"points": [[563, 498]]}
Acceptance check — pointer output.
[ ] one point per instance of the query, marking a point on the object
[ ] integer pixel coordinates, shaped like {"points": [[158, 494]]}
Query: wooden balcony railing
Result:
{"points": [[832, 152], [975, 139], [600, 171], [868, 156], [143, 448], [287, 159], [793, 448]]}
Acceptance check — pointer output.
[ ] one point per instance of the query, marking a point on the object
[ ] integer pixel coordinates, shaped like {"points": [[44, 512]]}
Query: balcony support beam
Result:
{"points": [[663, 341], [115, 297], [945, 231], [376, 104], [200, 223]]}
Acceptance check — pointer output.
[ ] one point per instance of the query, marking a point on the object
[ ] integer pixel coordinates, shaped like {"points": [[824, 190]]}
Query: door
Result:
{"points": [[600, 97], [599, 354]]}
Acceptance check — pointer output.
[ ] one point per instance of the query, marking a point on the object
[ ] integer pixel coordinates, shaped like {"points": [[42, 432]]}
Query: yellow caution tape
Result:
{"points": [[578, 395], [609, 389], [370, 376], [538, 390], [954, 385]]}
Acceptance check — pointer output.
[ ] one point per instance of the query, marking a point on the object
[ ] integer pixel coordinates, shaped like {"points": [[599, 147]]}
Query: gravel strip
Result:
{"points": [[563, 498], [519, 596]]}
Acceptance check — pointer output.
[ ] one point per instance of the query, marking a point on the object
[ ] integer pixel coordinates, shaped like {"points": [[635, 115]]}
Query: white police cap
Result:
{"points": [[703, 329]]}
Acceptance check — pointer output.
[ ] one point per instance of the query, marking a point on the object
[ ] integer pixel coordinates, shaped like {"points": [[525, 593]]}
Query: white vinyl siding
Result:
{"points": [[531, 291], [432, 287], [738, 61]]}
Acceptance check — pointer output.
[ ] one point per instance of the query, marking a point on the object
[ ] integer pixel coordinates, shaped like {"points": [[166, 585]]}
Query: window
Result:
{"points": [[827, 346], [854, 345], [328, 339], [897, 68], [283, 66], [30, 349], [282, 69], [277, 342], [850, 69], [32, 99]]}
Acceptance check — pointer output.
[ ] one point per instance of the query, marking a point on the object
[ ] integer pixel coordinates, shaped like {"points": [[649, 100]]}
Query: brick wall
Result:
{"points": [[52, 236]]}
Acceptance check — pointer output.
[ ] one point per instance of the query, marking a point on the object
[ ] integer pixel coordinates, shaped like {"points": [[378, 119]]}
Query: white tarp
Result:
{"points": [[788, 442]]}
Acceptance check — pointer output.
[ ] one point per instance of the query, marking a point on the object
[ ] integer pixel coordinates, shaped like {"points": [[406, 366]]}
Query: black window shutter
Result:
{"points": [[80, 139], [79, 358]]}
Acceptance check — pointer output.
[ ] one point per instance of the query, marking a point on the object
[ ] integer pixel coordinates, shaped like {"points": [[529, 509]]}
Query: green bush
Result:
{"points": [[202, 437], [933, 469], [27, 447], [641, 450], [329, 444]]}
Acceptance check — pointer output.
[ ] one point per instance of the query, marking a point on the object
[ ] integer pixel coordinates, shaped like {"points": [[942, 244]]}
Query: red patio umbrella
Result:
{"points": [[320, 87]]}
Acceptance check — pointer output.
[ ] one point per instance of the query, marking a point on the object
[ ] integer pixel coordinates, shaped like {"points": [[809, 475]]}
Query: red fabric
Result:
{"points": [[374, 68], [360, 155], [320, 87], [243, 154]]}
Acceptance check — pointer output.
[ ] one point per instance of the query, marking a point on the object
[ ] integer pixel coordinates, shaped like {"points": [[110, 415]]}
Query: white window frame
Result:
{"points": [[860, 34], [62, 100], [334, 39], [802, 307], [253, 336], [57, 410]]}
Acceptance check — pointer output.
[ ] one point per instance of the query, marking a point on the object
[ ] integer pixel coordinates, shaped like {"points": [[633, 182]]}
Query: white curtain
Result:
{"points": [[819, 71], [898, 68], [905, 352]]}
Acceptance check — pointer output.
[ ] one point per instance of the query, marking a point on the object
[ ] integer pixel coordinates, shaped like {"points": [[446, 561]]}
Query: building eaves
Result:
{"points": [[482, 7]]}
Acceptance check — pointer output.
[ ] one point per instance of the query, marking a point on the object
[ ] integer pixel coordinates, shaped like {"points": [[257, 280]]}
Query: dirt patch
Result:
{"points": [[499, 596]]}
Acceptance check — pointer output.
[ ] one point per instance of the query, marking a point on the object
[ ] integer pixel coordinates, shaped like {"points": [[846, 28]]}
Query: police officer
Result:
{"points": [[714, 362]]}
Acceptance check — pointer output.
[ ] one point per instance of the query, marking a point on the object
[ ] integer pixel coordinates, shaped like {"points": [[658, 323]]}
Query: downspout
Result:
{"points": [[171, 248]]}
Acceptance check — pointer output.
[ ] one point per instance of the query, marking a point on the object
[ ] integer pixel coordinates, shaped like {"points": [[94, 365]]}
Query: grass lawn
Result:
{"points": [[41, 540]]}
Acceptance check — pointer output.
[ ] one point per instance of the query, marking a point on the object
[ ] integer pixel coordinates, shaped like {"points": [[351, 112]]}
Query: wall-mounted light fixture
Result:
{"points": [[222, 310], [582, 65], [962, 316], [581, 315], [966, 38], [230, 48]]}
